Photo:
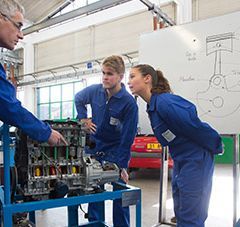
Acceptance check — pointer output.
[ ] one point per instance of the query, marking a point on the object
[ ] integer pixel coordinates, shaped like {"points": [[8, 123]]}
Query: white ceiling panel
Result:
{"points": [[36, 10]]}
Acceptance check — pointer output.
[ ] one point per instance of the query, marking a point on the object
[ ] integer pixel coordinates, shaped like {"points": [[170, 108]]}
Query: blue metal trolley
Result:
{"points": [[130, 195]]}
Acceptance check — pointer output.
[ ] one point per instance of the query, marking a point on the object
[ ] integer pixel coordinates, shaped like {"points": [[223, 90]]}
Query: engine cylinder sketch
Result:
{"points": [[215, 99]]}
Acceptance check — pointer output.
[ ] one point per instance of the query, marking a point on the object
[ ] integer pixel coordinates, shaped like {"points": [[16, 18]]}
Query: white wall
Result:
{"points": [[97, 41], [203, 9], [76, 41], [119, 35]]}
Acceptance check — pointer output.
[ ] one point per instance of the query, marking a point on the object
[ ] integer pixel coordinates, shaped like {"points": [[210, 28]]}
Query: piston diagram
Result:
{"points": [[216, 100]]}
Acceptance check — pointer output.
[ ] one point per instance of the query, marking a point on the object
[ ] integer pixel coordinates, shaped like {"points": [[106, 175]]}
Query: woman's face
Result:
{"points": [[137, 83]]}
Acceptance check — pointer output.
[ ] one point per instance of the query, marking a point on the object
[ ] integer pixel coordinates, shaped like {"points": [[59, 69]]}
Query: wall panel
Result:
{"points": [[209, 8], [64, 50], [98, 41]]}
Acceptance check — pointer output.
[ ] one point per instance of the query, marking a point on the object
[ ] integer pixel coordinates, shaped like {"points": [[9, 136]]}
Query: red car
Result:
{"points": [[146, 153]]}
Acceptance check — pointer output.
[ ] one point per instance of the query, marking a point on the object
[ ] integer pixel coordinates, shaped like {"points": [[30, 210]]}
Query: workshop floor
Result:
{"points": [[220, 211]]}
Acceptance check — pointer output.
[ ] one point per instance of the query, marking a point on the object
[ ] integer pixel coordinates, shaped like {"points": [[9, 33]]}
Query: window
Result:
{"points": [[44, 95], [67, 92], [55, 111], [57, 102], [44, 112], [75, 5], [91, 1], [55, 93]]}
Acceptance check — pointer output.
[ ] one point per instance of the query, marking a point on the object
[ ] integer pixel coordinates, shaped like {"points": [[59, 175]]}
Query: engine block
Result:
{"points": [[51, 172]]}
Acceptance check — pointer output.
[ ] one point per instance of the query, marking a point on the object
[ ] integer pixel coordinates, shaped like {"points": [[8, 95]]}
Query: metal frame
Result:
{"points": [[130, 195], [86, 10], [78, 71], [156, 10], [89, 9]]}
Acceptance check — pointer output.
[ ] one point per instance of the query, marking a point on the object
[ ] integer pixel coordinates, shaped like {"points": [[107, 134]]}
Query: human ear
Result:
{"points": [[147, 78]]}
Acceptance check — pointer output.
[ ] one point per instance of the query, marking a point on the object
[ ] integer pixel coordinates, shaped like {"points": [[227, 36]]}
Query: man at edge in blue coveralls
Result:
{"points": [[113, 127], [11, 110]]}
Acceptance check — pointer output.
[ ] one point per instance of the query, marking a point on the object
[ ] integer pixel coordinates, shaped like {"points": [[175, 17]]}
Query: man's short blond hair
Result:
{"points": [[116, 63]]}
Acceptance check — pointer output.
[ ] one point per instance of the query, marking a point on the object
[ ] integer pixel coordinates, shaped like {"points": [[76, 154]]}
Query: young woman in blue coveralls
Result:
{"points": [[113, 127], [192, 143]]}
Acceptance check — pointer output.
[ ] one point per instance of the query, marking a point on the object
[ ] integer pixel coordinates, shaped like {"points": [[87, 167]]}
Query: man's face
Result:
{"points": [[110, 78], [10, 32]]}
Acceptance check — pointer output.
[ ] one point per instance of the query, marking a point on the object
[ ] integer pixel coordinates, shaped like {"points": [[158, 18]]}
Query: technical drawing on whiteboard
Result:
{"points": [[216, 99]]}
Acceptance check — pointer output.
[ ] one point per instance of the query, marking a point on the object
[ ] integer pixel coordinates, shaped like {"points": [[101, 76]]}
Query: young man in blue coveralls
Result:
{"points": [[113, 127], [11, 110], [192, 143]]}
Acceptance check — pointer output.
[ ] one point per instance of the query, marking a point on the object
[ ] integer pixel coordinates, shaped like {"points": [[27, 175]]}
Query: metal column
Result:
{"points": [[236, 167], [163, 190]]}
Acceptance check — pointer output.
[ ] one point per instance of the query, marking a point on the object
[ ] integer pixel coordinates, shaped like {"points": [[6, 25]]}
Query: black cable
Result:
{"points": [[85, 213]]}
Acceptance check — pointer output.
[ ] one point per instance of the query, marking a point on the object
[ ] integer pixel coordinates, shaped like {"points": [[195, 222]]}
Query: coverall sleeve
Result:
{"points": [[13, 113], [129, 130], [82, 98], [185, 121]]}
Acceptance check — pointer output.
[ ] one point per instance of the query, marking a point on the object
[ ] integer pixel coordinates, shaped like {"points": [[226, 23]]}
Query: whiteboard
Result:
{"points": [[201, 60]]}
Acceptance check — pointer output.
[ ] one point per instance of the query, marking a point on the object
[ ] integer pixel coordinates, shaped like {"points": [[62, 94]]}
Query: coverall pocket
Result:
{"points": [[163, 134]]}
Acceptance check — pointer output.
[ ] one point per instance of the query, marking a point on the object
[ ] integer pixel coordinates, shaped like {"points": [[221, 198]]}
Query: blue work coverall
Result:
{"points": [[116, 121], [192, 144], [13, 113]]}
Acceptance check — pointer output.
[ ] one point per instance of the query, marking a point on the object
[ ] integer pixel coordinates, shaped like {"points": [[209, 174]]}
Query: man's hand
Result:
{"points": [[88, 126], [56, 138], [124, 175]]}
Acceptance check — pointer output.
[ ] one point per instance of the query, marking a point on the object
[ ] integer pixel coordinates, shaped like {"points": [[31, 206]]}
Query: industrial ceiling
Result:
{"points": [[36, 11], [40, 14]]}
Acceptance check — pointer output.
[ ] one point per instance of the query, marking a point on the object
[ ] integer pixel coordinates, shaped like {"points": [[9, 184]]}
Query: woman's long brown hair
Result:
{"points": [[159, 83]]}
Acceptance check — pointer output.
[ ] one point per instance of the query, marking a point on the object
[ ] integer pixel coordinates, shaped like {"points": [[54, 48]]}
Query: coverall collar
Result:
{"points": [[151, 105], [2, 71], [1, 67]]}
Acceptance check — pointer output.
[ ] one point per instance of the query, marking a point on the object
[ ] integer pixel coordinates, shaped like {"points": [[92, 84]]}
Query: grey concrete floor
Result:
{"points": [[220, 210]]}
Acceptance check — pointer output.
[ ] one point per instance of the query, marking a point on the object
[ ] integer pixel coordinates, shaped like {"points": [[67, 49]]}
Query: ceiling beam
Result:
{"points": [[62, 7], [62, 72], [156, 10], [89, 9]]}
